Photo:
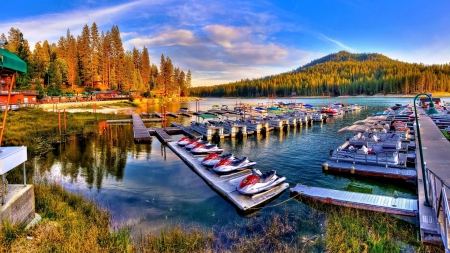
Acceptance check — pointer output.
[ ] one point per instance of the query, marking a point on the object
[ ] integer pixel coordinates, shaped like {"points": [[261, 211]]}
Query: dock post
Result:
{"points": [[59, 121]]}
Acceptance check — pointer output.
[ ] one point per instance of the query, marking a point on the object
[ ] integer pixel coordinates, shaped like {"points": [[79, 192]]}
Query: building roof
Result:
{"points": [[11, 61], [105, 92]]}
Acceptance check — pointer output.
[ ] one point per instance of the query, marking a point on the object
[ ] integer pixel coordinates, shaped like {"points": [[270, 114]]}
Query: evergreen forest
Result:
{"points": [[82, 62], [339, 74]]}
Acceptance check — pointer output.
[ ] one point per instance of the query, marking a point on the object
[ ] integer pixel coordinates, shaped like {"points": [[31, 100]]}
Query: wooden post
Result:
{"points": [[147, 106], [6, 109], [59, 121], [65, 125]]}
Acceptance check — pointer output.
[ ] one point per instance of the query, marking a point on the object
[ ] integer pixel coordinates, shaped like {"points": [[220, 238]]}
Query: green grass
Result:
{"points": [[445, 133]]}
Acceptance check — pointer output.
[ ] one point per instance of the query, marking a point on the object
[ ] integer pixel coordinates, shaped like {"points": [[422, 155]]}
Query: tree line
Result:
{"points": [[340, 74], [90, 58]]}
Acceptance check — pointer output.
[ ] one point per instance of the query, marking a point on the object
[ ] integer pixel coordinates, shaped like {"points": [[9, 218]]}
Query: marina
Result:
{"points": [[290, 152]]}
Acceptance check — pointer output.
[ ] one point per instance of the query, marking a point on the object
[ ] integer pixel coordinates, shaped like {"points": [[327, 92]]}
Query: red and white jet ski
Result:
{"points": [[258, 182], [213, 159], [183, 141], [203, 149], [192, 144], [226, 166]]}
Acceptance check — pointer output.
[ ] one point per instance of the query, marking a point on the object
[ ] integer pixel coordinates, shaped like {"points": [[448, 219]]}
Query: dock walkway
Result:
{"points": [[139, 129], [400, 206], [371, 170], [226, 184], [436, 150]]}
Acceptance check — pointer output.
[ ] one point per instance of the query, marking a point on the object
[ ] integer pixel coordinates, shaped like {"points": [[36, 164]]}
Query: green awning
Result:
{"points": [[208, 116], [11, 61]]}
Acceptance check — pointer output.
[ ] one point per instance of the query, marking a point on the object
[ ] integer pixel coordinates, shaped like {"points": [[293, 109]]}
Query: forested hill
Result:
{"points": [[338, 74], [346, 56]]}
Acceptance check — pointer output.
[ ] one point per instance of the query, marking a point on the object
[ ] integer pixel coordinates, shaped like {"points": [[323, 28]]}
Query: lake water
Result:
{"points": [[148, 187]]}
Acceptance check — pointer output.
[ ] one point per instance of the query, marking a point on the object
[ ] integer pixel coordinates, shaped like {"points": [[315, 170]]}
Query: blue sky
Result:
{"points": [[223, 41]]}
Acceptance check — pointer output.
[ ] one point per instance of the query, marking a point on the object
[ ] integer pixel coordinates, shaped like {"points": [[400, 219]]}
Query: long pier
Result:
{"points": [[140, 130], [372, 202], [436, 150]]}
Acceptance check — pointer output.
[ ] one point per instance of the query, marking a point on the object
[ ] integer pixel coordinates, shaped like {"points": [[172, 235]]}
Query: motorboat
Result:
{"points": [[226, 166], [183, 141], [213, 158], [203, 149], [259, 182], [192, 144]]}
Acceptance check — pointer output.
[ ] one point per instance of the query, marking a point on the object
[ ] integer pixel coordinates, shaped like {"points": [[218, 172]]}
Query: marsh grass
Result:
{"points": [[69, 224], [353, 230], [177, 239]]}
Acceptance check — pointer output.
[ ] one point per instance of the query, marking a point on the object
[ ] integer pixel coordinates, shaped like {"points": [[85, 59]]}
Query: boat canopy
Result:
{"points": [[11, 61], [208, 116]]}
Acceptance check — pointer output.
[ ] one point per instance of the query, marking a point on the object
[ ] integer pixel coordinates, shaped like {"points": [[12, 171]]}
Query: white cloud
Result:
{"points": [[52, 26], [338, 43], [170, 38]]}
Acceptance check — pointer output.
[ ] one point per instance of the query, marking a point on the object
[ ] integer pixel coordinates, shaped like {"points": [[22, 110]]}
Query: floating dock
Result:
{"points": [[371, 170], [187, 130], [372, 202], [172, 114], [139, 129], [226, 184], [111, 121]]}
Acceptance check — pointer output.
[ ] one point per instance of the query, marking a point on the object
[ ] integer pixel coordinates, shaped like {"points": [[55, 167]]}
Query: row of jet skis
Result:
{"points": [[254, 183]]}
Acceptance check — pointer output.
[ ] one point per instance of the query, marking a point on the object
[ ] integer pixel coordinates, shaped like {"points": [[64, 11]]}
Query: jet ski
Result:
{"points": [[226, 166], [194, 143], [183, 141], [258, 182], [203, 149], [213, 158]]}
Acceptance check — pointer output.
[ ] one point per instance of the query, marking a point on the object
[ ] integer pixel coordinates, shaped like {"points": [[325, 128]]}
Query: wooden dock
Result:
{"points": [[162, 135], [172, 114], [141, 133], [371, 170], [372, 202], [187, 130], [111, 121], [226, 184]]}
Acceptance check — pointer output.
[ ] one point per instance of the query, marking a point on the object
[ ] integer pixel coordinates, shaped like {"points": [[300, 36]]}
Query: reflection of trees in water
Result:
{"points": [[96, 156]]}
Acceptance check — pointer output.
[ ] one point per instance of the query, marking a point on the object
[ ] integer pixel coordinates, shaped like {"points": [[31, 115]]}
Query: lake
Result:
{"points": [[146, 186]]}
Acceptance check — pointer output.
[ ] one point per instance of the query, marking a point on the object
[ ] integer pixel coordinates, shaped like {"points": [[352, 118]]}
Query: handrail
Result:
{"points": [[437, 186]]}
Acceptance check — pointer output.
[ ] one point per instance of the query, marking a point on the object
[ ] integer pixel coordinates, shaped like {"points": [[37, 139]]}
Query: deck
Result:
{"points": [[226, 184], [372, 202], [372, 170], [187, 130], [141, 133]]}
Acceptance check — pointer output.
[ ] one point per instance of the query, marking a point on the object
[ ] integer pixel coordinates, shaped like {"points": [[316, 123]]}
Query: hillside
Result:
{"points": [[341, 73], [344, 56]]}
